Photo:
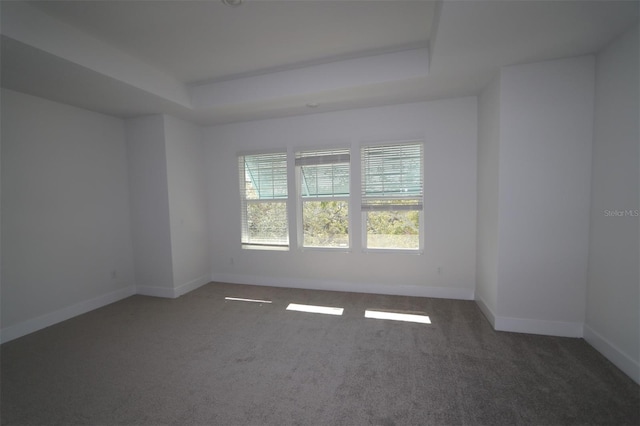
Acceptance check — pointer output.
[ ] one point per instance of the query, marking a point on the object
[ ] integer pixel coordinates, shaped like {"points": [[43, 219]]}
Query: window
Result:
{"points": [[322, 179], [264, 196], [392, 196]]}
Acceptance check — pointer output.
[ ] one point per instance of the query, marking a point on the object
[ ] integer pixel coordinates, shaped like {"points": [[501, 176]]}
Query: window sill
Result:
{"points": [[327, 249], [395, 251], [264, 248]]}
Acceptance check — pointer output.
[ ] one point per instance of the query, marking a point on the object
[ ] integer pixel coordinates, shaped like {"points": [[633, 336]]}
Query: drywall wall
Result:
{"points": [[66, 244], [613, 292], [488, 174], [149, 205], [449, 130], [546, 113], [187, 193]]}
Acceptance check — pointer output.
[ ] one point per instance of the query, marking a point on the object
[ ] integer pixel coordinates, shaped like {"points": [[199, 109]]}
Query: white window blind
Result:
{"points": [[324, 173], [392, 177], [264, 196]]}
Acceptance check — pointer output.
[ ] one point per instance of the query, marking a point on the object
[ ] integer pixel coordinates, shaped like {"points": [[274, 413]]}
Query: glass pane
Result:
{"points": [[265, 176], [325, 180], [393, 229], [267, 223], [325, 224], [392, 170]]}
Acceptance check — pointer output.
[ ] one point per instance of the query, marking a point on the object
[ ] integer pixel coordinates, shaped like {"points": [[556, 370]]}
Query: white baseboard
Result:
{"points": [[530, 326], [537, 326], [610, 351], [567, 329], [191, 285], [398, 290], [171, 292], [22, 329], [167, 292], [491, 317]]}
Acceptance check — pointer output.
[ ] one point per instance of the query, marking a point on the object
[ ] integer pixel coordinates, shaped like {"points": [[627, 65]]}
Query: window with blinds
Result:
{"points": [[323, 194], [392, 195], [264, 197]]}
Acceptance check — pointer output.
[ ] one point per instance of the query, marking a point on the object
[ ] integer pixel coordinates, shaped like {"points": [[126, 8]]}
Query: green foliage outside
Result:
{"points": [[267, 222], [325, 223], [393, 229]]}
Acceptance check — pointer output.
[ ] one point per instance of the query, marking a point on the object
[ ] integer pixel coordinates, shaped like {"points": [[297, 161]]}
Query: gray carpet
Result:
{"points": [[202, 360]]}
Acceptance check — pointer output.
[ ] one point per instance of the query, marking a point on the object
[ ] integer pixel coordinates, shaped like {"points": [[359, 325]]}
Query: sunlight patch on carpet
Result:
{"points": [[396, 316], [240, 299], [327, 310]]}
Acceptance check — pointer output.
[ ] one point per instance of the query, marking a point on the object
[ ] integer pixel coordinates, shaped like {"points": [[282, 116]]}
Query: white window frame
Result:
{"points": [[365, 209], [245, 202], [303, 157]]}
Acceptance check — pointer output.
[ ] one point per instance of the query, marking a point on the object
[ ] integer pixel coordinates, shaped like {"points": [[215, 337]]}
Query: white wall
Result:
{"points": [[187, 204], [449, 129], [150, 205], [488, 178], [168, 205], [613, 295], [546, 113], [66, 244]]}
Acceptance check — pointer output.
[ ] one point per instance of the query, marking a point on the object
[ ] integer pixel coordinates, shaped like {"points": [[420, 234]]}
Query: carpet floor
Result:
{"points": [[204, 360]]}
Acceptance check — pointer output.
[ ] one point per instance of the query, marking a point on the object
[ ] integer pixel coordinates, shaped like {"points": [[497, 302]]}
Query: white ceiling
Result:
{"points": [[201, 44], [204, 40], [475, 38]]}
